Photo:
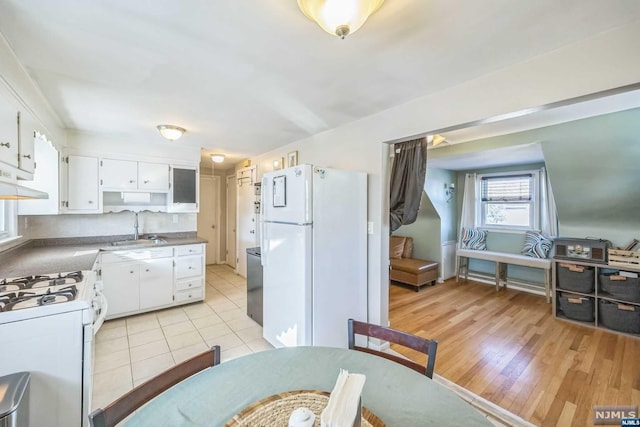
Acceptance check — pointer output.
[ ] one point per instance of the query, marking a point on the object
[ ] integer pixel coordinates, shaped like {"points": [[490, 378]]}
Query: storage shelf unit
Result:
{"points": [[626, 307]]}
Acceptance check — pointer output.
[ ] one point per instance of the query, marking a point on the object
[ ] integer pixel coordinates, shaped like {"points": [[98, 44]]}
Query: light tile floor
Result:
{"points": [[131, 350]]}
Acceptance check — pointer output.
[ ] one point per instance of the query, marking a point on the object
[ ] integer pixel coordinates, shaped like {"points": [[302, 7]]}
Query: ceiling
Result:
{"points": [[247, 77], [525, 153]]}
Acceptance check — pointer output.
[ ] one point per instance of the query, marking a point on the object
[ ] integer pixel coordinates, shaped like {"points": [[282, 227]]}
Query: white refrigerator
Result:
{"points": [[314, 255]]}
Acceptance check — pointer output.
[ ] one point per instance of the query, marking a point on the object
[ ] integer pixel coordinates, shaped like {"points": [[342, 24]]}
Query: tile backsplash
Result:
{"points": [[55, 226]]}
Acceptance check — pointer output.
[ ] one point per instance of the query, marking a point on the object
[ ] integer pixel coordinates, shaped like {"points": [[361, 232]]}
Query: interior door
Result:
{"points": [[246, 223], [231, 221], [208, 216]]}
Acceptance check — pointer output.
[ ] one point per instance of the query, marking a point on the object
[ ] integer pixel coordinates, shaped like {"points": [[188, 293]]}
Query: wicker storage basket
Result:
{"points": [[621, 287], [577, 308], [619, 317], [576, 278]]}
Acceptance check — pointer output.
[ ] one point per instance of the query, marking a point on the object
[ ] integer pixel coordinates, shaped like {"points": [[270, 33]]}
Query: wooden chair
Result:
{"points": [[126, 404], [405, 339]]}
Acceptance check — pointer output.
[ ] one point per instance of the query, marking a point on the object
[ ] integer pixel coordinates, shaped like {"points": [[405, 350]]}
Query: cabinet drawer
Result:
{"points": [[189, 295], [188, 267], [184, 285], [188, 250], [136, 255]]}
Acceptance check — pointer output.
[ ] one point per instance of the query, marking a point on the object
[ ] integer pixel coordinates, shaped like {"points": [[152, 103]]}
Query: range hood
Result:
{"points": [[12, 191]]}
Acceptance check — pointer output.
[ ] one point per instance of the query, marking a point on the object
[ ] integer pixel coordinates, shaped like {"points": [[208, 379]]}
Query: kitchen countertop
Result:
{"points": [[48, 256]]}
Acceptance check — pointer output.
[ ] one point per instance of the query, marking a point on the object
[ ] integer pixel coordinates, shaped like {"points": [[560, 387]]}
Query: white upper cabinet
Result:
{"points": [[26, 150], [119, 174], [132, 175], [8, 129], [82, 184], [153, 176]]}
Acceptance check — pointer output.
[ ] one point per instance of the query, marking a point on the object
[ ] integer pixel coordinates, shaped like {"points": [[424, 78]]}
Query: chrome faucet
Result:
{"points": [[135, 227]]}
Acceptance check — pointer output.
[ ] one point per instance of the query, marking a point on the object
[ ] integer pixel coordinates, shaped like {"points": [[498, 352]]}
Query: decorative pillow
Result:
{"points": [[472, 238], [396, 246], [536, 245]]}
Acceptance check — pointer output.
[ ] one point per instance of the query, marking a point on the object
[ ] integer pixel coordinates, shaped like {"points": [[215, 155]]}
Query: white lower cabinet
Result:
{"points": [[121, 288], [189, 273], [156, 283], [137, 281]]}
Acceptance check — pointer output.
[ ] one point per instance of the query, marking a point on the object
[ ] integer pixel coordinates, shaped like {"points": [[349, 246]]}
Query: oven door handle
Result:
{"points": [[102, 304]]}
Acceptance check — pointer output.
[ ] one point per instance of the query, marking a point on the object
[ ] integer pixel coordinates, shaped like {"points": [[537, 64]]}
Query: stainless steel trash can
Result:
{"points": [[14, 403]]}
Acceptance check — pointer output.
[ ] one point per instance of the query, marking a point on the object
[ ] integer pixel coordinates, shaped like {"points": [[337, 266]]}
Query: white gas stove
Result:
{"points": [[43, 295], [47, 323]]}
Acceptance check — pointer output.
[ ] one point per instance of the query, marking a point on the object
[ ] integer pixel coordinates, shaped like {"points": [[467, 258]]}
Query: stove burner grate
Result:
{"points": [[9, 302], [29, 282]]}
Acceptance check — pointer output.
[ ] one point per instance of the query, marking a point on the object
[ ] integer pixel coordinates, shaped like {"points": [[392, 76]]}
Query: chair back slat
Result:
{"points": [[423, 345], [121, 408]]}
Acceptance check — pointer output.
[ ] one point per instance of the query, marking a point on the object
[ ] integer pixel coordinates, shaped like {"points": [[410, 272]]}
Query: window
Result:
{"points": [[7, 219], [509, 200]]}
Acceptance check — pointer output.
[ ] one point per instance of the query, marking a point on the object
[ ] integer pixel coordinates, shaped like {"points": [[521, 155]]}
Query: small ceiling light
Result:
{"points": [[217, 158], [171, 132], [339, 17]]}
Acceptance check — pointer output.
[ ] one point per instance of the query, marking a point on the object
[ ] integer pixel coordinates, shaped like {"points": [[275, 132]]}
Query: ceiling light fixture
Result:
{"points": [[435, 140], [171, 132], [217, 158], [339, 17]]}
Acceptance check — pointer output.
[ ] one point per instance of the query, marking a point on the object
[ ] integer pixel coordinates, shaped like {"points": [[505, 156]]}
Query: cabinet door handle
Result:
{"points": [[5, 144], [90, 202], [189, 284], [190, 268], [147, 270], [131, 181], [131, 271], [146, 181], [27, 156]]}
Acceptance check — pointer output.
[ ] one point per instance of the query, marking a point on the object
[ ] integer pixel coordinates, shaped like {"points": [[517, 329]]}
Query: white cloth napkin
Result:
{"points": [[344, 400]]}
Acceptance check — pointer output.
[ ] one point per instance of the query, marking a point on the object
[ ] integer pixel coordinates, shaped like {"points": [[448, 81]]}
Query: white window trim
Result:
{"points": [[10, 213], [535, 197]]}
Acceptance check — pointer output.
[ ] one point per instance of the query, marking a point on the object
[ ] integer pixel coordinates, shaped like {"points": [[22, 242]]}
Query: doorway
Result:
{"points": [[209, 216], [231, 255]]}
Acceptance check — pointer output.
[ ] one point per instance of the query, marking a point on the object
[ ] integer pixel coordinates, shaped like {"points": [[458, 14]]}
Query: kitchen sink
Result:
{"points": [[139, 242]]}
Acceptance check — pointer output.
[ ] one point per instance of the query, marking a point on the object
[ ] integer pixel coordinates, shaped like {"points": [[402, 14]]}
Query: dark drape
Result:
{"points": [[407, 181]]}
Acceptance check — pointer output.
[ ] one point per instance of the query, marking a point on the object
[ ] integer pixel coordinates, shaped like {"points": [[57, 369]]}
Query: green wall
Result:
{"points": [[437, 220]]}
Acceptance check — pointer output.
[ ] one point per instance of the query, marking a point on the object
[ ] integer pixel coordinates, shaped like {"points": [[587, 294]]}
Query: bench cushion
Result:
{"points": [[506, 258], [412, 265]]}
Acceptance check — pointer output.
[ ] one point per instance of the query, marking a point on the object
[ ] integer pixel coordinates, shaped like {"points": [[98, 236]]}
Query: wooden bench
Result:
{"points": [[503, 259]]}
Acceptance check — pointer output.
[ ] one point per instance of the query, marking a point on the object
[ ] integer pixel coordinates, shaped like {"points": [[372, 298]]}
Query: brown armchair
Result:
{"points": [[408, 270]]}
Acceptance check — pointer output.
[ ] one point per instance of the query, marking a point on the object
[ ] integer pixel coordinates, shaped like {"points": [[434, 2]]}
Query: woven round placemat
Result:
{"points": [[274, 411]]}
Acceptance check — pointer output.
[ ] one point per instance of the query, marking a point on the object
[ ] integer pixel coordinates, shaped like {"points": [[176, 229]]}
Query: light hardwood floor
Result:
{"points": [[507, 348]]}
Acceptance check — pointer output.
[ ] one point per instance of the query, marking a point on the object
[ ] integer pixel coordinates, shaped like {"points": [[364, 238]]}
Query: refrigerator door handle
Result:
{"points": [[264, 249]]}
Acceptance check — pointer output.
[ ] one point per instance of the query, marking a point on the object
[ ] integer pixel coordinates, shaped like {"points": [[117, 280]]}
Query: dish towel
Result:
{"points": [[344, 401]]}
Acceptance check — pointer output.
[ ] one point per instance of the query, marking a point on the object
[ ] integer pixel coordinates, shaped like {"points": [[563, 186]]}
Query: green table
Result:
{"points": [[397, 395]]}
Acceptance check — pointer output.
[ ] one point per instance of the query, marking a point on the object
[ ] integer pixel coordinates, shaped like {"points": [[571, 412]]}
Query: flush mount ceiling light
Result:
{"points": [[435, 140], [339, 17], [171, 132], [217, 158]]}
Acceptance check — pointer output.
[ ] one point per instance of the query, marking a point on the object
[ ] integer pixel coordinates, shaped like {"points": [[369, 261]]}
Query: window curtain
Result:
{"points": [[548, 214], [407, 182], [468, 217]]}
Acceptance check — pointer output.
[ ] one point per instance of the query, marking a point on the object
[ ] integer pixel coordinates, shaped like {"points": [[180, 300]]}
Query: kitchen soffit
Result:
{"points": [[245, 79]]}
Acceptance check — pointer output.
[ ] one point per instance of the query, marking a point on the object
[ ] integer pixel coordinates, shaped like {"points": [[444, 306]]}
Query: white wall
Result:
{"points": [[606, 61]]}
